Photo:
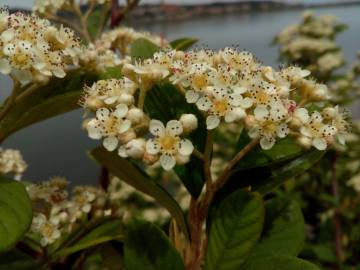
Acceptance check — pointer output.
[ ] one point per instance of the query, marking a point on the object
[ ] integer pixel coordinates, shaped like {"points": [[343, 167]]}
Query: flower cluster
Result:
{"points": [[227, 86], [56, 213], [12, 162], [33, 50], [311, 43], [53, 6], [113, 47]]}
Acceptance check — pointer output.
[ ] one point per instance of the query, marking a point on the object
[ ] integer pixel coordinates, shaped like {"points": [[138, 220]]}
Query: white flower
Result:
{"points": [[221, 102], [48, 229], [167, 142], [321, 134], [11, 161], [109, 125], [338, 120], [270, 124]]}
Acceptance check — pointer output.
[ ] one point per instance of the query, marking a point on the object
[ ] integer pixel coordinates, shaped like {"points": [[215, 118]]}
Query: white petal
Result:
{"points": [[319, 143], [254, 132], [266, 143], [212, 121], [261, 112], [110, 100], [239, 89], [23, 76], [302, 114], [203, 104], [167, 162], [234, 115], [186, 147], [191, 96], [246, 103], [93, 131], [102, 114], [121, 110], [124, 126], [316, 117], [110, 143], [341, 138], [174, 127], [122, 151], [152, 147], [305, 131], [5, 66], [282, 131], [58, 72], [156, 127]]}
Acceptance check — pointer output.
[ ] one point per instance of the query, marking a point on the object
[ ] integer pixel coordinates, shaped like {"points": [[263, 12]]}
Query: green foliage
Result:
{"points": [[135, 177], [148, 248], [235, 228], [142, 49], [284, 230], [280, 262], [58, 96], [266, 179], [15, 213], [16, 260], [183, 44], [105, 232], [284, 149]]}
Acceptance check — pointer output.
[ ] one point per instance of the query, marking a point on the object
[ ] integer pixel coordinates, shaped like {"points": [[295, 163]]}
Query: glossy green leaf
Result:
{"points": [[284, 230], [15, 213], [56, 97], [105, 232], [284, 149], [16, 260], [280, 262], [110, 73], [182, 44], [142, 49], [265, 179], [135, 177], [235, 228], [191, 174], [148, 248]]}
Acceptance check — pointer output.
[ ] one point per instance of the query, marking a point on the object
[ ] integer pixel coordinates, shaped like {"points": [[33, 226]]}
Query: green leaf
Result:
{"points": [[142, 49], [111, 73], [284, 230], [148, 248], [15, 213], [182, 44], [265, 179], [133, 176], [94, 21], [191, 174], [16, 260], [105, 232], [56, 97], [235, 228], [280, 262], [284, 149]]}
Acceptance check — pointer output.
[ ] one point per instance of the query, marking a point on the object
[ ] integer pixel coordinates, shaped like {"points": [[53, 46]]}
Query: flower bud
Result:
{"points": [[304, 142], [135, 115], [320, 93], [329, 112], [268, 74], [126, 99], [149, 159], [127, 136], [189, 122], [135, 148], [250, 121]]}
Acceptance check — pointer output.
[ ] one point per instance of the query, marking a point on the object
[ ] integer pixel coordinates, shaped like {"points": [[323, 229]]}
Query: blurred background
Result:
{"points": [[250, 25]]}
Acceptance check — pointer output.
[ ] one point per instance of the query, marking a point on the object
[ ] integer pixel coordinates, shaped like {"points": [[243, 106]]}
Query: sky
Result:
{"points": [[28, 3]]}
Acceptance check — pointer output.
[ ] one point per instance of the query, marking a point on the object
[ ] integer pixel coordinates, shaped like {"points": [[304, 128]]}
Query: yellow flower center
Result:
{"points": [[168, 142], [269, 127], [20, 59], [262, 97], [199, 81], [221, 106], [47, 230], [110, 125]]}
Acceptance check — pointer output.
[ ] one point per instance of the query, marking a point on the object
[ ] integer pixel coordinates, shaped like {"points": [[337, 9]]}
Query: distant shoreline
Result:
{"points": [[175, 12], [167, 12]]}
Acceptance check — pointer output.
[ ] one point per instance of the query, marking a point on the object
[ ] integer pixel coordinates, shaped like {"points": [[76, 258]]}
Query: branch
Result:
{"points": [[10, 101]]}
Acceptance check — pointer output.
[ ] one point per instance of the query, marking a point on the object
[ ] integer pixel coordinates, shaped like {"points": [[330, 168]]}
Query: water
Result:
{"points": [[59, 147]]}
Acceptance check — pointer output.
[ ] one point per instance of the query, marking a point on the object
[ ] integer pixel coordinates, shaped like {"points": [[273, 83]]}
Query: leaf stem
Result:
{"points": [[142, 97], [207, 158], [10, 101], [27, 92]]}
